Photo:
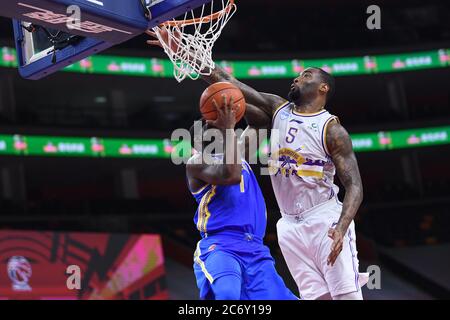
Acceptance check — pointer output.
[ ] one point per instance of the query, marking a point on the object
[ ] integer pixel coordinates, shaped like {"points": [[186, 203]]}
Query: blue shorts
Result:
{"points": [[243, 256]]}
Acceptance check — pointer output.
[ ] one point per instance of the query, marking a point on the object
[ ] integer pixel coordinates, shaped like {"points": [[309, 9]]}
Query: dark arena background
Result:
{"points": [[86, 176]]}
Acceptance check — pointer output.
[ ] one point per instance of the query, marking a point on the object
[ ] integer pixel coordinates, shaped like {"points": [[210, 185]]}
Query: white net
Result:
{"points": [[188, 42]]}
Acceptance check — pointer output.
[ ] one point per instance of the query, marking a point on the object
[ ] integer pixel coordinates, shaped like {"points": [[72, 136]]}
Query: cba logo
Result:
{"points": [[19, 271], [284, 115]]}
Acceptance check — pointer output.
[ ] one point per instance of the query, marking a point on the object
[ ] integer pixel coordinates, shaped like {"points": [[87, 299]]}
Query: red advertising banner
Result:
{"points": [[81, 266]]}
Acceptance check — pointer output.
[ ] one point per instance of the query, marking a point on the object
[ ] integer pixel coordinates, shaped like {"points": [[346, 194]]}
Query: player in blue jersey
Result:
{"points": [[231, 262]]}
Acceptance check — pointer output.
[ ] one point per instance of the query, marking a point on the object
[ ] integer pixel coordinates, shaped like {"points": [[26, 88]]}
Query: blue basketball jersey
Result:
{"points": [[238, 207]]}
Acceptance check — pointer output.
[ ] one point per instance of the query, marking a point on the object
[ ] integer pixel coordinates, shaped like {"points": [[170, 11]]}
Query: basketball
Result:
{"points": [[215, 92]]}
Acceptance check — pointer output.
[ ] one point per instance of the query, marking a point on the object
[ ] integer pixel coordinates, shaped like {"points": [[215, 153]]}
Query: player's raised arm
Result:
{"points": [[224, 172], [249, 140], [339, 146], [264, 101], [257, 118]]}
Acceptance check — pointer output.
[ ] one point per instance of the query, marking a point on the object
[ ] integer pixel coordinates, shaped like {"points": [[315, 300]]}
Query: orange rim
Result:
{"points": [[204, 19]]}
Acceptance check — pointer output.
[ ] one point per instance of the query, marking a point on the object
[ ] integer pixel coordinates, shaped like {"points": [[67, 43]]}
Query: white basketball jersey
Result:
{"points": [[301, 169]]}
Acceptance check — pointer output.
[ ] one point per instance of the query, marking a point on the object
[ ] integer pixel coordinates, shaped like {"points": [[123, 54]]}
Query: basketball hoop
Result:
{"points": [[189, 41]]}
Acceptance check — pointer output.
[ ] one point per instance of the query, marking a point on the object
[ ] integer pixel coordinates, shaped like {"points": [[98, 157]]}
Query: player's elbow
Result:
{"points": [[361, 193], [231, 177], [232, 180]]}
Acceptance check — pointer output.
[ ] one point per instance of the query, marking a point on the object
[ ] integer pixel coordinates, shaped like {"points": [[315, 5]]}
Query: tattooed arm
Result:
{"points": [[340, 148], [251, 138], [257, 118]]}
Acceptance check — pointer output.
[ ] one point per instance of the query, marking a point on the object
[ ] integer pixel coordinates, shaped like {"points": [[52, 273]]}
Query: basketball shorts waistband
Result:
{"points": [[310, 212], [238, 235]]}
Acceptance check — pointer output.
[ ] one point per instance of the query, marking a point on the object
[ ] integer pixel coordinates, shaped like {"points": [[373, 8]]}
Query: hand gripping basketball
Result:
{"points": [[226, 116]]}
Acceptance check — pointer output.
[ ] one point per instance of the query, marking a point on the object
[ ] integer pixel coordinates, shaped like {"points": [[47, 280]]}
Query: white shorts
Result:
{"points": [[305, 245]]}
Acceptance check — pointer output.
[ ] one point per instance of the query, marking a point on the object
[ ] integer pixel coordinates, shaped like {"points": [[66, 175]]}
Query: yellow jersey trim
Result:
{"points": [[204, 213], [324, 134], [309, 173], [279, 107], [197, 260], [200, 190], [200, 212], [302, 173], [307, 113]]}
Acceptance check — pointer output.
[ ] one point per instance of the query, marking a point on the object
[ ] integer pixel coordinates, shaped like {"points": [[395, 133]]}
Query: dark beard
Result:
{"points": [[294, 95]]}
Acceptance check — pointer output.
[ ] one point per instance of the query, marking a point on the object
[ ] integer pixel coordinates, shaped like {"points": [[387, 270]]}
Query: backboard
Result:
{"points": [[52, 34]]}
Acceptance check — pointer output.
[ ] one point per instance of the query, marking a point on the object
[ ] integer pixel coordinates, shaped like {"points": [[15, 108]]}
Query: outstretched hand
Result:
{"points": [[164, 38], [155, 41]]}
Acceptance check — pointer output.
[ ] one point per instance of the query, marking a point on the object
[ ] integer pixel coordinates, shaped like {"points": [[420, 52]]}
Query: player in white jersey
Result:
{"points": [[316, 232]]}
